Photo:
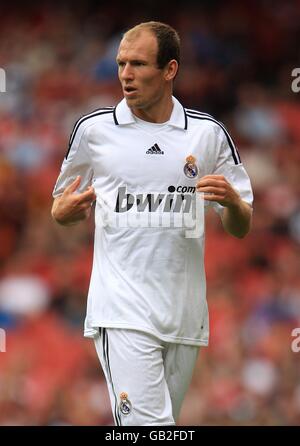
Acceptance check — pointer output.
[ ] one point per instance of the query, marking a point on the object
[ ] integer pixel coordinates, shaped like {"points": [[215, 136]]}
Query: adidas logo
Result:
{"points": [[155, 150]]}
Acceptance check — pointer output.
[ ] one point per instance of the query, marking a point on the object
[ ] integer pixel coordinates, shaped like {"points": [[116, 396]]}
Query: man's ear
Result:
{"points": [[171, 70]]}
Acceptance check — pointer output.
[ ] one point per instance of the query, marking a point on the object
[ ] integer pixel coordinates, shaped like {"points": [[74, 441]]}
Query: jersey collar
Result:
{"points": [[123, 115]]}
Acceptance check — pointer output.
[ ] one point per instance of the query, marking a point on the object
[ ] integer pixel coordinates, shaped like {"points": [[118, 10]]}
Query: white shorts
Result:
{"points": [[147, 378]]}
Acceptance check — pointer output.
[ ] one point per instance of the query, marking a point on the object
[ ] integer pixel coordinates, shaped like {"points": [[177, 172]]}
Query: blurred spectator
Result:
{"points": [[256, 119]]}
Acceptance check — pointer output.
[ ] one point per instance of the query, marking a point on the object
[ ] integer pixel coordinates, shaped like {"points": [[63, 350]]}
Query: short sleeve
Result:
{"points": [[76, 162], [228, 163]]}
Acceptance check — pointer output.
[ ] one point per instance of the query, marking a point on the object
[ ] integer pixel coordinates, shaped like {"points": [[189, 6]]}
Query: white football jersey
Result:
{"points": [[147, 274]]}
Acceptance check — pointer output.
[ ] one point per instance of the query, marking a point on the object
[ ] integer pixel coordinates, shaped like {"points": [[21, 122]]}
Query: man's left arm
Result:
{"points": [[237, 214]]}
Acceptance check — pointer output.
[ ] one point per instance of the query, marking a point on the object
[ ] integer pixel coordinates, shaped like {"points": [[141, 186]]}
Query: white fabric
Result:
{"points": [[148, 279], [154, 375]]}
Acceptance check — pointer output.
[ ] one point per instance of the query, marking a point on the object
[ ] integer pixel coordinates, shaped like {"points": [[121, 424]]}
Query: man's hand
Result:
{"points": [[217, 188], [72, 207], [237, 215]]}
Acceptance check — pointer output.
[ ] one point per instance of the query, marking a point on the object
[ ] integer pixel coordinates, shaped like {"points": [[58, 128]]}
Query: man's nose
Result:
{"points": [[127, 72]]}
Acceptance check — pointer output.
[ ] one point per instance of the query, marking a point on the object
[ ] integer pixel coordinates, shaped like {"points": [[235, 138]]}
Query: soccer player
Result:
{"points": [[147, 309]]}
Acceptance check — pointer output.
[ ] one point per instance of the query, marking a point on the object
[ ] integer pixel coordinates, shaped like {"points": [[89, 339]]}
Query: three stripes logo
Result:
{"points": [[155, 150]]}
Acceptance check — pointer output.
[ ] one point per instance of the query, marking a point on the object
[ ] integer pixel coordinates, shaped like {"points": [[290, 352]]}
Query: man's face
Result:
{"points": [[143, 83]]}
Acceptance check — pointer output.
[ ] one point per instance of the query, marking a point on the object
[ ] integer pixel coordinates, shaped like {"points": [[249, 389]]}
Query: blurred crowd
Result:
{"points": [[237, 60]]}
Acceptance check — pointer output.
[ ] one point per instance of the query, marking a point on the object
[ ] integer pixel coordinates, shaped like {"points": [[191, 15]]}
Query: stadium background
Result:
{"points": [[237, 60]]}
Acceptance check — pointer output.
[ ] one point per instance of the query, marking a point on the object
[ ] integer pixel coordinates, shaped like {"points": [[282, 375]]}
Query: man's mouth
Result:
{"points": [[128, 90]]}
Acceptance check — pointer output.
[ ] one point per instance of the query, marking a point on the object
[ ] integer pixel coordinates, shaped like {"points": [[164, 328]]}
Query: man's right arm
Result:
{"points": [[72, 207]]}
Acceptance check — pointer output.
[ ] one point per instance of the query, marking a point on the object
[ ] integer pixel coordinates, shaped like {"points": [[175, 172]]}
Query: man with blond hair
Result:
{"points": [[149, 156]]}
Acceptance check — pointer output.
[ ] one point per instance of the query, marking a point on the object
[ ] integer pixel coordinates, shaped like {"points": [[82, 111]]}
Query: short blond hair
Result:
{"points": [[168, 40]]}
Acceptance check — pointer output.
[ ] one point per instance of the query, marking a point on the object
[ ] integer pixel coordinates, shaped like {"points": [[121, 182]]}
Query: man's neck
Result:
{"points": [[156, 114]]}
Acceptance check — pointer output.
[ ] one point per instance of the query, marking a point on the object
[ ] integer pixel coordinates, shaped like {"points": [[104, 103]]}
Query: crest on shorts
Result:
{"points": [[190, 168], [125, 404]]}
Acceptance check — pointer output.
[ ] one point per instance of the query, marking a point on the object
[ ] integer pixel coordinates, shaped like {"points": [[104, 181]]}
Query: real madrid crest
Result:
{"points": [[125, 404], [190, 168]]}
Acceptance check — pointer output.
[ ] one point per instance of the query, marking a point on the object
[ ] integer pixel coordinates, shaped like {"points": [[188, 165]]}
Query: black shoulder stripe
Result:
{"points": [[197, 113], [115, 117], [234, 151], [83, 118], [92, 113], [185, 119], [80, 121]]}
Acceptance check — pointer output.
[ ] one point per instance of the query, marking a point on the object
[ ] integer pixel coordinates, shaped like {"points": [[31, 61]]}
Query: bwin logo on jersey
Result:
{"points": [[151, 202]]}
